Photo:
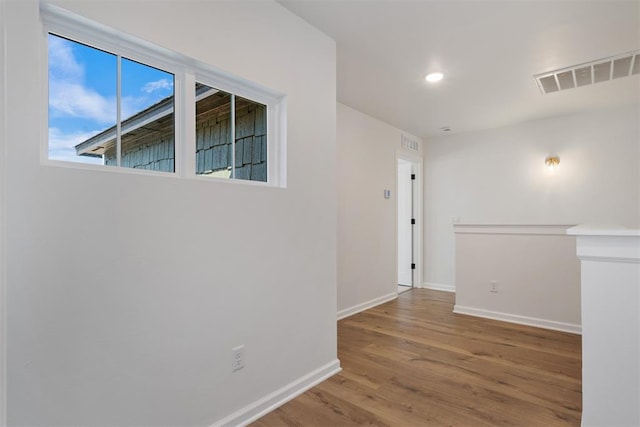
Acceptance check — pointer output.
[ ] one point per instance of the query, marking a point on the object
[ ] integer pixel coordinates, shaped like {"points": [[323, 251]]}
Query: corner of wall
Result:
{"points": [[255, 410], [3, 294], [438, 287], [350, 311]]}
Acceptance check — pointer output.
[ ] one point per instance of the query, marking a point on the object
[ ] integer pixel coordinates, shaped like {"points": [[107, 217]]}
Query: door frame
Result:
{"points": [[417, 168]]}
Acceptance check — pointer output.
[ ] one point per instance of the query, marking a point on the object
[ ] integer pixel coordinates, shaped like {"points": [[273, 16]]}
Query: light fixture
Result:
{"points": [[552, 161], [434, 77]]}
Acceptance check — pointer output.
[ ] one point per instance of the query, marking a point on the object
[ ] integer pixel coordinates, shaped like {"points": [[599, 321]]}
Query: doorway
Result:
{"points": [[407, 222]]}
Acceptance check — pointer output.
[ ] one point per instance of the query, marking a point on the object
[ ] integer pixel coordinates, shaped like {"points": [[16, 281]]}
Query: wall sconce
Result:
{"points": [[552, 162]]}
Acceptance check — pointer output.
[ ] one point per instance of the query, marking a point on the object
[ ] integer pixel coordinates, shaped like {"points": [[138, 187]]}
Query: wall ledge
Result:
{"points": [[520, 320], [261, 407], [607, 230], [515, 229], [610, 280], [607, 244], [366, 305]]}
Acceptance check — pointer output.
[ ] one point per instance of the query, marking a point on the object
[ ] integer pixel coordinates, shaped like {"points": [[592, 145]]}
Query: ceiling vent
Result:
{"points": [[588, 73], [409, 142]]}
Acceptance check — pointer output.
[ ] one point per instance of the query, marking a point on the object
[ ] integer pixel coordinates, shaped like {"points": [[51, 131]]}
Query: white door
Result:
{"points": [[405, 229]]}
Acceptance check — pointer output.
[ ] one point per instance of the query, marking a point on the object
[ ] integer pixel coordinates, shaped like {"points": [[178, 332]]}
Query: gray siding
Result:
{"points": [[152, 147]]}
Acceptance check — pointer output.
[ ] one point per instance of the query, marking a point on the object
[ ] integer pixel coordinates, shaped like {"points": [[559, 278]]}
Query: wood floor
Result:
{"points": [[412, 362]]}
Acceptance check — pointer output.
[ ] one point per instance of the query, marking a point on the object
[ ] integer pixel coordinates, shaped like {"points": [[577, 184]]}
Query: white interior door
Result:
{"points": [[405, 215]]}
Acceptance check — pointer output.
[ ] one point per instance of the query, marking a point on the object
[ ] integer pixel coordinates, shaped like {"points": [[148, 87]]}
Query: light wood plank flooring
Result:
{"points": [[412, 362]]}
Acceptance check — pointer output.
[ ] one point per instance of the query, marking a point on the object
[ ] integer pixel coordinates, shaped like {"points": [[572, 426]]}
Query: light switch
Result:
{"points": [[387, 194]]}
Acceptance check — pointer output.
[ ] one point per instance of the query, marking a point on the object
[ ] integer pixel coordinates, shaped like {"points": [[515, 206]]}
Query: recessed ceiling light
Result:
{"points": [[434, 77]]}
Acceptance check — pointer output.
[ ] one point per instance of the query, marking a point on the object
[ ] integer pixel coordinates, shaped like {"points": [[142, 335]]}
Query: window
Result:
{"points": [[112, 101], [231, 135], [250, 140], [82, 98], [107, 109], [214, 142], [147, 130]]}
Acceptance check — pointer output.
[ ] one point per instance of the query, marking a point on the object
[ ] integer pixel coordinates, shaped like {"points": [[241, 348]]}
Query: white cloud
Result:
{"points": [[157, 85], [72, 99], [62, 62], [68, 95], [62, 145]]}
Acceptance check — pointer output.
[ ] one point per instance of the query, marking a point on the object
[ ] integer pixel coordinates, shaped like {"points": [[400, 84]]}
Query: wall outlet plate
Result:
{"points": [[237, 358], [493, 286]]}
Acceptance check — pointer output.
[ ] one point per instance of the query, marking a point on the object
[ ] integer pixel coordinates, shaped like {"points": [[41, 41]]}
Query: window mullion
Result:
{"points": [[118, 110], [186, 121], [233, 136]]}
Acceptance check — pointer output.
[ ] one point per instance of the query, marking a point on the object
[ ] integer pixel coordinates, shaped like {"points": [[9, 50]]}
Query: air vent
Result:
{"points": [[409, 142], [588, 73]]}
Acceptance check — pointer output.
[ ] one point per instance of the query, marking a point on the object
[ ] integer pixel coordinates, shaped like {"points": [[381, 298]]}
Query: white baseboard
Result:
{"points": [[366, 305], [438, 287], [261, 407], [521, 320]]}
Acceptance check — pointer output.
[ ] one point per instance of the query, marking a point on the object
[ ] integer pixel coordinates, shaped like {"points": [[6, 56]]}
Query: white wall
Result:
{"points": [[535, 270], [124, 296], [498, 176], [611, 326], [366, 220]]}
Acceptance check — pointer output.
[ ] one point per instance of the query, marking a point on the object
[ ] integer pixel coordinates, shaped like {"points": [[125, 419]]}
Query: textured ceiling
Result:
{"points": [[488, 50]]}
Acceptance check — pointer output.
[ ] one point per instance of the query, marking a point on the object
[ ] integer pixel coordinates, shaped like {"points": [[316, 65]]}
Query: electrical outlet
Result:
{"points": [[237, 361], [493, 286]]}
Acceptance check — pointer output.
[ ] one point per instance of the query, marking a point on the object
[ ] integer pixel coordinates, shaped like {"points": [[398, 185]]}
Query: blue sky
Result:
{"points": [[82, 94]]}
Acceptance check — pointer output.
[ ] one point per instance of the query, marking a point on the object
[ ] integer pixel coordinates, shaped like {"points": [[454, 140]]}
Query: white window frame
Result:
{"points": [[186, 71]]}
